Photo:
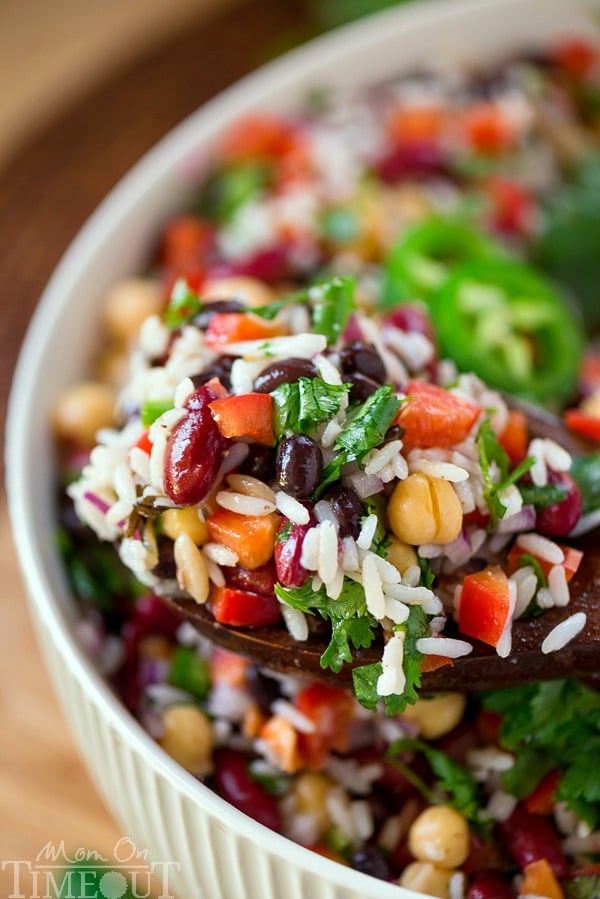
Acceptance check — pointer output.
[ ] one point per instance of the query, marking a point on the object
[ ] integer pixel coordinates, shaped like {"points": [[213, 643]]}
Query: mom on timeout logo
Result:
{"points": [[86, 874]]}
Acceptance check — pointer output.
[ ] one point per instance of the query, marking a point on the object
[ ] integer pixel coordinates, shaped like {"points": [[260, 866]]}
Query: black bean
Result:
{"points": [[260, 462], [285, 372], [165, 568], [299, 465], [347, 508], [203, 319], [220, 368], [265, 690], [371, 860], [361, 387], [364, 358]]}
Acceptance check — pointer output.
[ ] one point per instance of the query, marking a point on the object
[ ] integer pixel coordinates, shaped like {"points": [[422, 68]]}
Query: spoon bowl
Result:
{"points": [[483, 669]]}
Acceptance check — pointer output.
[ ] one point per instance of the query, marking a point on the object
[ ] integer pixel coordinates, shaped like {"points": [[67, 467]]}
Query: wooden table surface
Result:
{"points": [[47, 190]]}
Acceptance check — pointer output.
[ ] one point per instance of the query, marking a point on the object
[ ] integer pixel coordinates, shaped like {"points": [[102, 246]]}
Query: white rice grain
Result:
{"points": [[362, 818], [242, 377], [249, 486], [287, 710], [541, 548], [392, 680], [557, 584], [564, 632], [367, 532], [397, 611], [295, 621], [244, 505], [500, 806], [327, 551], [447, 471], [443, 646], [350, 559], [291, 508], [526, 584], [183, 392], [324, 512], [373, 587], [215, 575], [379, 458], [304, 346], [139, 462], [309, 557], [353, 775], [220, 554], [408, 594], [332, 431], [456, 886]]}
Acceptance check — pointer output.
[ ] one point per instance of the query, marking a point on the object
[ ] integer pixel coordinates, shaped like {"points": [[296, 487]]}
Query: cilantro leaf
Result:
{"points": [[540, 497], [586, 471], [330, 302], [301, 406], [364, 680], [350, 620], [365, 428], [494, 464], [553, 725], [454, 781], [228, 188], [183, 305]]}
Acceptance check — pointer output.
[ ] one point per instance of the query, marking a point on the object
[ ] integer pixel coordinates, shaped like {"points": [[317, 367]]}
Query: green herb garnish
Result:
{"points": [[301, 406], [495, 471]]}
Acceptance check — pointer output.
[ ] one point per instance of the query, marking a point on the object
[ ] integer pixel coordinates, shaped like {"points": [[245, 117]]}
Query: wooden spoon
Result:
{"points": [[483, 669]]}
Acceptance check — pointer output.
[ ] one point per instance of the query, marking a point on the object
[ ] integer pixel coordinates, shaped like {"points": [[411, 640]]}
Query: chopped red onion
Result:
{"points": [[96, 501], [236, 455], [522, 521], [364, 484]]}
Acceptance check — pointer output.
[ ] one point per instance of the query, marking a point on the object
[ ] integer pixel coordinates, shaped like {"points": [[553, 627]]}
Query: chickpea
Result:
{"points": [[112, 367], [436, 716], [128, 304], [310, 791], [188, 737], [80, 412], [423, 509], [188, 520], [423, 877], [247, 290], [441, 835], [401, 555]]}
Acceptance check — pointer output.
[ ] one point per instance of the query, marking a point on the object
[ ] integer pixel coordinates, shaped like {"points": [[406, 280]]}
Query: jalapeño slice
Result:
{"points": [[504, 321]]}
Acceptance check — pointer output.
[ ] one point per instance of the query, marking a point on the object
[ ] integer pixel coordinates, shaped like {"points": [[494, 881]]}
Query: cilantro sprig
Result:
{"points": [[183, 306], [330, 305], [495, 469], [350, 620], [301, 406], [552, 726], [366, 676], [365, 428], [454, 784]]}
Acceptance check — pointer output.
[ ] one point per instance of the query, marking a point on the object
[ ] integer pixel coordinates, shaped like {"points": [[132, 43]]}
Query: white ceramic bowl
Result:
{"points": [[219, 852]]}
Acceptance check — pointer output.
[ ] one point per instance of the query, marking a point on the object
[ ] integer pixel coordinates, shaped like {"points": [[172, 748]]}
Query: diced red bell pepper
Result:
{"points": [[571, 562], [186, 244], [247, 415], [332, 710], [484, 605], [514, 439], [417, 123], [144, 443], [513, 207], [488, 129], [239, 608], [434, 417], [540, 880], [576, 56], [259, 136], [231, 327], [582, 423], [541, 800], [432, 663]]}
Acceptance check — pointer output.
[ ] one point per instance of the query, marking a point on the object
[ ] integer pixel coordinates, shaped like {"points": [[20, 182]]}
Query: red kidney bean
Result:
{"points": [[233, 783], [411, 318], [529, 837], [288, 550], [299, 465], [417, 159], [194, 451], [491, 885], [484, 856], [347, 508], [361, 357], [287, 371], [559, 518], [257, 580]]}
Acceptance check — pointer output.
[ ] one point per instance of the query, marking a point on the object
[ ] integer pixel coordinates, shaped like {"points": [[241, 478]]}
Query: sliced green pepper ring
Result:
{"points": [[504, 321], [423, 257]]}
